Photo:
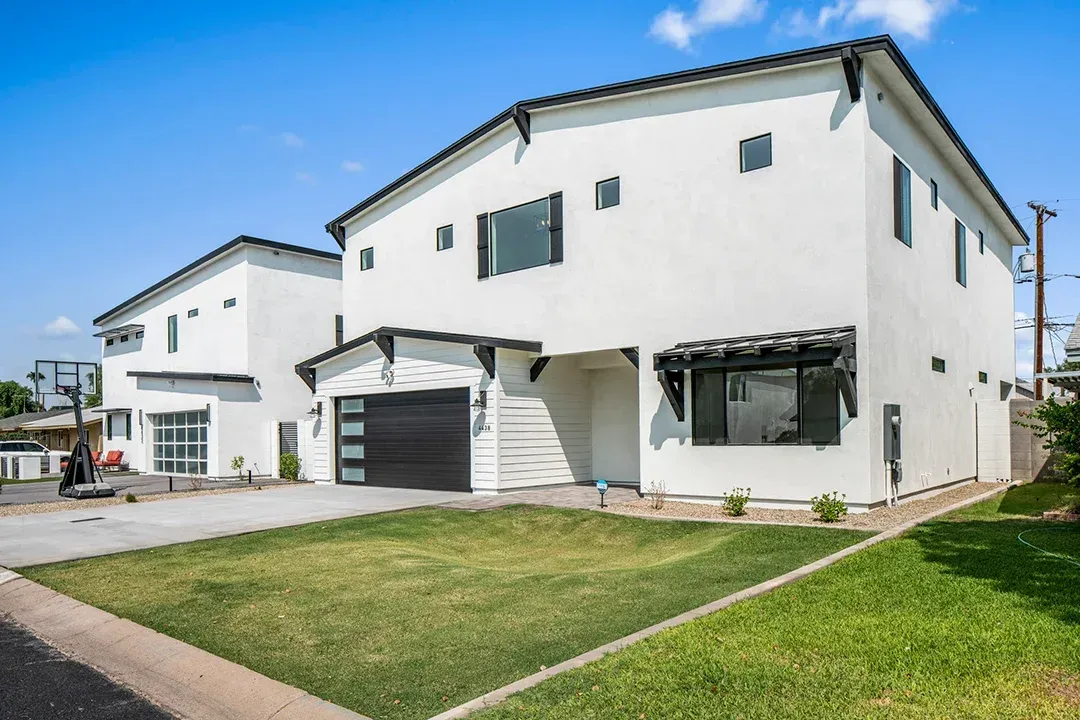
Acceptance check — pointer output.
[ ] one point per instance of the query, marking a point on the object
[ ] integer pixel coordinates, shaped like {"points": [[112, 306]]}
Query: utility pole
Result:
{"points": [[1041, 213]]}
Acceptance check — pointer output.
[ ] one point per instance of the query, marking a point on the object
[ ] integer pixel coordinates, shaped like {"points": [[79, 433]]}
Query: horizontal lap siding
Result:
{"points": [[545, 427], [418, 365]]}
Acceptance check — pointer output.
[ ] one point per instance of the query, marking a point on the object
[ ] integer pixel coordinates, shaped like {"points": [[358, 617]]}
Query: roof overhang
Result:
{"points": [[197, 376], [383, 338], [109, 411], [849, 56], [118, 331], [1064, 380]]}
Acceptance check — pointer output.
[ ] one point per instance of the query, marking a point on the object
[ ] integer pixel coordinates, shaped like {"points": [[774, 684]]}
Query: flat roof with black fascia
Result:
{"points": [[108, 411], [850, 54], [204, 377], [483, 347], [118, 331], [213, 255]]}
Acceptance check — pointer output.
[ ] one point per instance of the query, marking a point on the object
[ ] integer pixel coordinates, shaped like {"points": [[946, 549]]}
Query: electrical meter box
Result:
{"points": [[892, 432]]}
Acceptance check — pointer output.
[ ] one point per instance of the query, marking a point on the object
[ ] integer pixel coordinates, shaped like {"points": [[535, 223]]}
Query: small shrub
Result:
{"points": [[829, 508], [657, 494], [237, 464], [130, 498], [290, 466], [1070, 505], [735, 502], [195, 482], [1067, 467]]}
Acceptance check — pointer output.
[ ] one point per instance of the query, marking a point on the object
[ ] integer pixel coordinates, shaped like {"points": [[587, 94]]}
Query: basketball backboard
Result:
{"points": [[53, 377]]}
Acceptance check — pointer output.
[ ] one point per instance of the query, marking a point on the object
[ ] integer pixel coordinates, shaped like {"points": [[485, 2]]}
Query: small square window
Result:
{"points": [[108, 341], [982, 243], [937, 364], [139, 335], [983, 377], [231, 302], [194, 312], [933, 194], [607, 193], [124, 338], [755, 153], [367, 258], [444, 238]]}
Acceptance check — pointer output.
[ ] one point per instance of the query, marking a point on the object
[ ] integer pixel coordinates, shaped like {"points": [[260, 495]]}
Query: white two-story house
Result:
{"points": [[197, 369], [724, 277]]}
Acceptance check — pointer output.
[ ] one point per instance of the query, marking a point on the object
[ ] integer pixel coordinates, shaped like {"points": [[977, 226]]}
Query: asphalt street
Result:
{"points": [[136, 484]]}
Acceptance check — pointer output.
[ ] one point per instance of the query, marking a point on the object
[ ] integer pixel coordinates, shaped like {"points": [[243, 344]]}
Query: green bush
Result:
{"points": [[130, 498], [237, 464], [1067, 467], [290, 466], [829, 508], [1058, 424], [735, 502]]}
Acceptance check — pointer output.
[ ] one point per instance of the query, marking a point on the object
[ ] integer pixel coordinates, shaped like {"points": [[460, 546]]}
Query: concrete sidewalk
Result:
{"points": [[181, 678], [72, 534]]}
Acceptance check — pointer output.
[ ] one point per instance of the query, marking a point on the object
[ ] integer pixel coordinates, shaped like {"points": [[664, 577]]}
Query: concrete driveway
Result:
{"points": [[46, 491], [71, 534]]}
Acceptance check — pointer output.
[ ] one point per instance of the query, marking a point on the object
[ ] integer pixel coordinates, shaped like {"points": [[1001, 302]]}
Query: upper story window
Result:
{"points": [[194, 312], [755, 153], [124, 338], [339, 329], [933, 194], [901, 202], [961, 253], [108, 342], [139, 335], [444, 237], [607, 193], [172, 334], [937, 364], [367, 258], [231, 302], [524, 236], [983, 377], [982, 243]]}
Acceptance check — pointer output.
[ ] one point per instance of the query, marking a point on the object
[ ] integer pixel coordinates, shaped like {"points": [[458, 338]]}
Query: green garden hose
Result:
{"points": [[1066, 558]]}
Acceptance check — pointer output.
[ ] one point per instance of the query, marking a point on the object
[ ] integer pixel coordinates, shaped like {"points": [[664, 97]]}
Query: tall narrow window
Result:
{"points": [[127, 425], [607, 193], [444, 237], [961, 253], [367, 258], [901, 202], [933, 194], [339, 329], [108, 426], [172, 333], [755, 153], [982, 243]]}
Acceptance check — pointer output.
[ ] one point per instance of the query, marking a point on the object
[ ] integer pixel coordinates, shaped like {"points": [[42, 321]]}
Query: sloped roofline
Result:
{"points": [[213, 255], [514, 113]]}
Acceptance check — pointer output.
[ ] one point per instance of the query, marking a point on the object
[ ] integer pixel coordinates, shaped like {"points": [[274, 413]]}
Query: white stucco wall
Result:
{"points": [[616, 456]]}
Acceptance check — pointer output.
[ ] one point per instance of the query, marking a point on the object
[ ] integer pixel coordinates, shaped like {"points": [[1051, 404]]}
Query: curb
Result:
{"points": [[180, 678], [497, 696]]}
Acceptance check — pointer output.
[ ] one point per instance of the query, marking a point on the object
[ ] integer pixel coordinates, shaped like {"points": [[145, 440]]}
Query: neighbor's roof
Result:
{"points": [[213, 255], [863, 48], [15, 421], [64, 419], [1072, 345]]}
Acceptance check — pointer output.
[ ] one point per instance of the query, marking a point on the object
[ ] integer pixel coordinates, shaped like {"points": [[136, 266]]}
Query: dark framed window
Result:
{"points": [[982, 243], [127, 425], [108, 341], [933, 194], [339, 329], [937, 364], [983, 378], [124, 338], [194, 312], [139, 335], [231, 302], [520, 237], [794, 404], [367, 258], [444, 237], [901, 202], [607, 193], [108, 426], [961, 253], [172, 334], [755, 153]]}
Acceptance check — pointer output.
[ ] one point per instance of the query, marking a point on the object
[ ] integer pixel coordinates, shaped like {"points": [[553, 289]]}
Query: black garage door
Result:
{"points": [[407, 439]]}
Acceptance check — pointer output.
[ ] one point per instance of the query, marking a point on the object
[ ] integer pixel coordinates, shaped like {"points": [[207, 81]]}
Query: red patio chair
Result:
{"points": [[114, 460], [95, 457]]}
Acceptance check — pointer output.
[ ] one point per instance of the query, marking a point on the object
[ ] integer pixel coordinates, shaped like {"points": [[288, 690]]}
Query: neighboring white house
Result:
{"points": [[197, 369], [711, 279]]}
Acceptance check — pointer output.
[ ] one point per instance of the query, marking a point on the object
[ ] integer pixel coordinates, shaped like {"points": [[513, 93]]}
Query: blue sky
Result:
{"points": [[134, 137]]}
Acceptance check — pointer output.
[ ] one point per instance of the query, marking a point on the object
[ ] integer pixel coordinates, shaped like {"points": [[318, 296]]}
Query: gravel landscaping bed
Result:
{"points": [[879, 519], [67, 504]]}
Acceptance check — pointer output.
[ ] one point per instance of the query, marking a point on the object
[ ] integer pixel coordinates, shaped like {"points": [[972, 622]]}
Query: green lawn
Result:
{"points": [[390, 614], [956, 619]]}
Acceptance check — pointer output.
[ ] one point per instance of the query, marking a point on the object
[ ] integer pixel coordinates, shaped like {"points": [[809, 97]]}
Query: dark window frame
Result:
{"points": [[439, 246], [902, 202], [339, 330], [984, 378], [960, 253], [937, 364], [618, 199], [492, 238], [127, 424], [230, 303], [369, 253], [173, 334], [724, 373], [124, 338], [108, 342], [108, 427], [982, 243], [193, 312], [742, 155], [933, 194]]}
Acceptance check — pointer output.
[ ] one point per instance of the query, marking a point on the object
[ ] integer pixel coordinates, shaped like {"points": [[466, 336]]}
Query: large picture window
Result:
{"points": [[180, 444], [778, 405], [520, 237]]}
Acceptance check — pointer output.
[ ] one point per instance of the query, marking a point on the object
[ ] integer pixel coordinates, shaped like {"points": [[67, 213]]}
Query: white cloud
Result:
{"points": [[674, 27], [292, 140], [306, 178], [62, 326], [353, 166], [914, 18]]}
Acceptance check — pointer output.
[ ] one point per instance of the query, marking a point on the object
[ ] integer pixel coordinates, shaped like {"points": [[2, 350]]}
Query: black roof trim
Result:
{"points": [[304, 369], [205, 377], [239, 240], [768, 62]]}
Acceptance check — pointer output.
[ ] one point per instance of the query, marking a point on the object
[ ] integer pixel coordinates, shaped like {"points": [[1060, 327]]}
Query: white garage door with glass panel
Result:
{"points": [[180, 442]]}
